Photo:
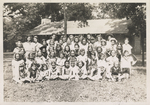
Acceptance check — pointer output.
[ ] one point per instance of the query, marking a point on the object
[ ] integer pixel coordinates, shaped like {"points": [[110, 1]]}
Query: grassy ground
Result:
{"points": [[132, 90]]}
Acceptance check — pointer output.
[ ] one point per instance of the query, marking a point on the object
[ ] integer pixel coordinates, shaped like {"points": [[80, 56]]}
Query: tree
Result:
{"points": [[26, 16], [79, 12]]}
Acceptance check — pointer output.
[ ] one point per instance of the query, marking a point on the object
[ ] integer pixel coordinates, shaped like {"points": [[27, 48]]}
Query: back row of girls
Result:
{"points": [[72, 58]]}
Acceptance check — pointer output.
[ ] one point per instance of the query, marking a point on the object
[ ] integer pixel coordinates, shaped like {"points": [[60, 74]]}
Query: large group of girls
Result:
{"points": [[73, 57]]}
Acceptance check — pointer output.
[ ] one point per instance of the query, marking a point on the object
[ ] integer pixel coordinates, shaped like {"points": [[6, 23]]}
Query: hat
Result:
{"points": [[113, 39]]}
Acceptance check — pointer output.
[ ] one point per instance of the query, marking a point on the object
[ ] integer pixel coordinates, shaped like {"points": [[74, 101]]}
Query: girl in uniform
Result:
{"points": [[66, 71], [53, 71], [60, 62], [82, 58], [42, 73], [82, 72], [51, 58]]}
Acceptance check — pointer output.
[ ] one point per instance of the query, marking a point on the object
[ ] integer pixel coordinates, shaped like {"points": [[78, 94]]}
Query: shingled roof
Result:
{"points": [[101, 26]]}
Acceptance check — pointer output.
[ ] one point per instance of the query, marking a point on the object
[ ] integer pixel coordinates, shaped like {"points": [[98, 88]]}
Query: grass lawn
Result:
{"points": [[132, 90]]}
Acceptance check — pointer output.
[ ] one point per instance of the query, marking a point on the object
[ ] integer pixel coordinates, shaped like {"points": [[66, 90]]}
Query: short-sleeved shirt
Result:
{"points": [[19, 50], [112, 60], [29, 46], [40, 60], [82, 58], [126, 62], [66, 70], [127, 47], [60, 61], [54, 71], [72, 60], [101, 63]]}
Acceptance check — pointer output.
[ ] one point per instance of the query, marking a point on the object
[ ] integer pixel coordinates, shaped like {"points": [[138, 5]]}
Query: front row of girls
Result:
{"points": [[94, 66]]}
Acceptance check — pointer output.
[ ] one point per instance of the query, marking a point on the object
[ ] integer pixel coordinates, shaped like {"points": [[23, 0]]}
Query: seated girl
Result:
{"points": [[82, 58], [33, 72], [74, 71], [101, 66], [66, 71], [42, 73], [82, 72], [60, 62], [40, 59], [29, 60], [53, 71], [51, 58], [115, 71]]}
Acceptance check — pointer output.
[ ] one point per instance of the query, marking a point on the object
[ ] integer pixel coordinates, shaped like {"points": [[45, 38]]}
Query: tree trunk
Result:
{"points": [[65, 19], [142, 45]]}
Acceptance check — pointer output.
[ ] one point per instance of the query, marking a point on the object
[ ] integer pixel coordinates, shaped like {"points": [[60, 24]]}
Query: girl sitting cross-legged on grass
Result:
{"points": [[115, 71], [66, 71], [82, 72], [73, 61], [33, 72], [60, 62], [82, 58], [42, 73], [101, 66], [53, 71]]}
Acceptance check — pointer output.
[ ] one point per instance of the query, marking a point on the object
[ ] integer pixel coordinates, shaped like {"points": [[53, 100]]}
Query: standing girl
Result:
{"points": [[16, 63]]}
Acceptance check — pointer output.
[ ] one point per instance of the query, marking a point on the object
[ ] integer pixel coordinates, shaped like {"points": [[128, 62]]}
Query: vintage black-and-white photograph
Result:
{"points": [[74, 52]]}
